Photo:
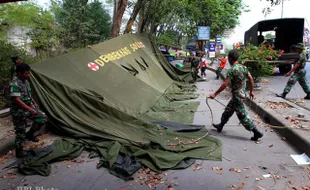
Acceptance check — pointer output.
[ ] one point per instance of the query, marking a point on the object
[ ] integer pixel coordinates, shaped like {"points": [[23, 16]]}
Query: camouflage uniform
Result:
{"points": [[19, 88], [194, 65], [299, 75], [237, 76], [218, 71]]}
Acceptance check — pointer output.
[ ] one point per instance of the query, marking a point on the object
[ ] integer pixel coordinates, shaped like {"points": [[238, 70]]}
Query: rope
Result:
{"points": [[206, 134]]}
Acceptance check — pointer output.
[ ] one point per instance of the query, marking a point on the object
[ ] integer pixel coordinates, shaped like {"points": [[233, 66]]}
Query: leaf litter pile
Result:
{"points": [[277, 105], [152, 179]]}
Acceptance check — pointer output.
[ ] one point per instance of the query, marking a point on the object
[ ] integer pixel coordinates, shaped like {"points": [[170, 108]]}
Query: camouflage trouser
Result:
{"points": [[299, 76], [236, 104], [20, 123], [218, 71], [195, 73]]}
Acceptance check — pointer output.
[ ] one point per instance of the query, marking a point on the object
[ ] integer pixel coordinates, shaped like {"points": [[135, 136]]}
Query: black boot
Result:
{"points": [[257, 134], [30, 136], [283, 95], [19, 152], [307, 97], [219, 127]]}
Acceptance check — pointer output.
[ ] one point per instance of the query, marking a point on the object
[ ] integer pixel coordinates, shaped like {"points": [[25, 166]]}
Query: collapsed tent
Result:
{"points": [[115, 99]]}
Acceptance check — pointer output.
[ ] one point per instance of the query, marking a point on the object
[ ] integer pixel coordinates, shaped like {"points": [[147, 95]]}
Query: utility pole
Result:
{"points": [[282, 8]]}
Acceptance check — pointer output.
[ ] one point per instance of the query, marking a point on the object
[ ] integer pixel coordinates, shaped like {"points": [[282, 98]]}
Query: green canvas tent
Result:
{"points": [[108, 98]]}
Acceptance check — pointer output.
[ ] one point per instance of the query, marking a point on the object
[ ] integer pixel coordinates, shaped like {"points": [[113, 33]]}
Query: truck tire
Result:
{"points": [[285, 69]]}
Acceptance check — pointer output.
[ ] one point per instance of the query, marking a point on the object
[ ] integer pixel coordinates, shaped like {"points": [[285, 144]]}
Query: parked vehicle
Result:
{"points": [[288, 32]]}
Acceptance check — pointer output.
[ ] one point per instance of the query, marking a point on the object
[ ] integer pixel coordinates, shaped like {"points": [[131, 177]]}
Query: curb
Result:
{"points": [[273, 118], [5, 113]]}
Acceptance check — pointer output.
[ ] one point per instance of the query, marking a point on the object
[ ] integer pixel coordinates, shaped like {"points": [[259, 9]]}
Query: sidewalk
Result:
{"points": [[283, 114], [7, 135]]}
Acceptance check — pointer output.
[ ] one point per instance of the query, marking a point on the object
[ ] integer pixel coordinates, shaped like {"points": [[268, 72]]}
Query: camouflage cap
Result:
{"points": [[300, 46]]}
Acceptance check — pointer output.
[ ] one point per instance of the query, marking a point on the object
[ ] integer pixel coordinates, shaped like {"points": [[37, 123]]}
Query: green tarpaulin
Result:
{"points": [[109, 94]]}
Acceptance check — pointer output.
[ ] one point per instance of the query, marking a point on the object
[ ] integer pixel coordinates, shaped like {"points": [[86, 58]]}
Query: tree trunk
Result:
{"points": [[154, 27], [119, 9], [134, 15], [143, 26]]}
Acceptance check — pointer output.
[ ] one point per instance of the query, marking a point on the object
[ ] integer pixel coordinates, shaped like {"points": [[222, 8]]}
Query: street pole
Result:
{"points": [[282, 8]]}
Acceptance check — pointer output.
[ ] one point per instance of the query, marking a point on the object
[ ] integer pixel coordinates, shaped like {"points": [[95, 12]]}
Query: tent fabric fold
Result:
{"points": [[108, 97]]}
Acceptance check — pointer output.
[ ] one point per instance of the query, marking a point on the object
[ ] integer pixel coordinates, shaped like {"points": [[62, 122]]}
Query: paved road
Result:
{"points": [[250, 160]]}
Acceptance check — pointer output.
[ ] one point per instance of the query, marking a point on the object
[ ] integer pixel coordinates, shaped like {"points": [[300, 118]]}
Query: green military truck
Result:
{"points": [[288, 32]]}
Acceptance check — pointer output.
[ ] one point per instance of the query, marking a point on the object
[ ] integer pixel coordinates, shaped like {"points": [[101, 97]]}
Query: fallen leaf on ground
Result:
{"points": [[276, 177], [170, 187], [240, 186], [271, 145], [277, 105], [217, 168], [233, 186], [7, 156], [258, 179], [220, 173], [245, 149], [149, 178], [246, 176], [246, 168], [197, 167], [11, 175], [3, 177], [296, 188], [235, 170], [291, 182], [300, 101], [69, 166], [78, 161]]}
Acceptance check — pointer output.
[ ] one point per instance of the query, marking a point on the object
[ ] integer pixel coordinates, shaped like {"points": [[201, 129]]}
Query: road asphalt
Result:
{"points": [[243, 165]]}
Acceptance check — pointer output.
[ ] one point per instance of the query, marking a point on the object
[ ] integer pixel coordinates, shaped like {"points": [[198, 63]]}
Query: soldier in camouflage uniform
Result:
{"points": [[194, 66], [237, 76], [24, 107], [299, 74]]}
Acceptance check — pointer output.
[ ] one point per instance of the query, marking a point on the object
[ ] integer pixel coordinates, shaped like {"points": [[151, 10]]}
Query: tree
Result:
{"points": [[181, 17], [269, 36], [35, 24], [138, 6], [273, 3], [84, 23], [119, 9]]}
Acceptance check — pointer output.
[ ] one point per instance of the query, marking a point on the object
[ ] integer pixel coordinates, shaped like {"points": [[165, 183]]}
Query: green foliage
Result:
{"points": [[258, 59], [44, 32], [183, 17], [40, 24], [220, 15], [269, 36], [168, 39], [83, 23]]}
